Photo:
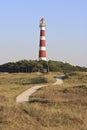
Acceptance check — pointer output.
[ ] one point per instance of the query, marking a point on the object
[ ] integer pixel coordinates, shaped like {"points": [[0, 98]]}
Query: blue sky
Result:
{"points": [[66, 31]]}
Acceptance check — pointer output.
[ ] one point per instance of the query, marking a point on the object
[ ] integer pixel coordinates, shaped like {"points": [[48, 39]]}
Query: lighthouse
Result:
{"points": [[42, 44]]}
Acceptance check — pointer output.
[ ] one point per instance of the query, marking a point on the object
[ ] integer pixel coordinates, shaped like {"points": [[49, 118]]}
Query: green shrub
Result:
{"points": [[38, 80]]}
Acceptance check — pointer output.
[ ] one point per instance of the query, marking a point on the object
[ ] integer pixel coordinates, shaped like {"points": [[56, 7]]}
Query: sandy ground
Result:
{"points": [[24, 97]]}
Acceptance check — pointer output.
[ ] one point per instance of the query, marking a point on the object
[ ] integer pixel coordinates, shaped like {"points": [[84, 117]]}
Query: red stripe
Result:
{"points": [[42, 32], [42, 53], [42, 42]]}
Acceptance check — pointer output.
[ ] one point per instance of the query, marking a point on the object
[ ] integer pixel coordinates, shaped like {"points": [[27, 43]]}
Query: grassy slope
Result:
{"points": [[56, 107]]}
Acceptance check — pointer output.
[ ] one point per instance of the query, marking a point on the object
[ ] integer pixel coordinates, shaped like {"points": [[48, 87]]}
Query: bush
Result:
{"points": [[38, 80]]}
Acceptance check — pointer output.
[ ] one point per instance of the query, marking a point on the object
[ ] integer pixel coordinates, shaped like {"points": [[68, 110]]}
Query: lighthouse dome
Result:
{"points": [[42, 23]]}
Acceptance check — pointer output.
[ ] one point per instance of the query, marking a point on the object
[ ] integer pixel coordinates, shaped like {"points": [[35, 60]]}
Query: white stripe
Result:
{"points": [[43, 48], [42, 28], [42, 38], [42, 58]]}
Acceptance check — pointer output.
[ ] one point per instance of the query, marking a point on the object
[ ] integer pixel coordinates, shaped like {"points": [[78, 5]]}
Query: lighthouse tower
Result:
{"points": [[42, 45]]}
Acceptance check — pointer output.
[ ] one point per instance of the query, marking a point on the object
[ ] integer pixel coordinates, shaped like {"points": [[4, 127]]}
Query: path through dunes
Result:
{"points": [[24, 97], [59, 80]]}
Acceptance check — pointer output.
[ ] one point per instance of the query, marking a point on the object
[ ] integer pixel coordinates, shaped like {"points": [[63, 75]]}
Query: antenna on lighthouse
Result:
{"points": [[42, 45]]}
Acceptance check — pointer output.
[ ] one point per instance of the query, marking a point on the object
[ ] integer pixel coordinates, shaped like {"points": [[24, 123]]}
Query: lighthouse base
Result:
{"points": [[42, 58]]}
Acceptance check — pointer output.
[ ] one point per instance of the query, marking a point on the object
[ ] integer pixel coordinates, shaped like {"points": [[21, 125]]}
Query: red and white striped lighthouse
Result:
{"points": [[42, 45]]}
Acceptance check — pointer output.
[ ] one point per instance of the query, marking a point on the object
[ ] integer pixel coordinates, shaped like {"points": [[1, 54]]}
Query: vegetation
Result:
{"points": [[56, 107], [39, 66]]}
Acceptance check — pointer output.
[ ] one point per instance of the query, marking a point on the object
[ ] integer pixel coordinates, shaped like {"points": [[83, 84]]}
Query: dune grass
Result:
{"points": [[56, 107]]}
